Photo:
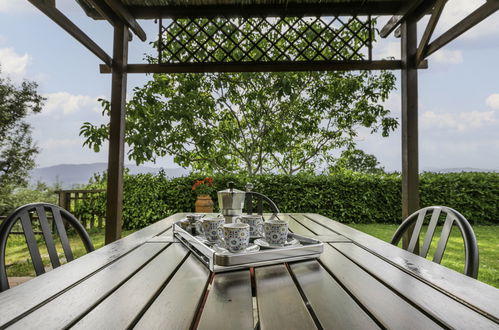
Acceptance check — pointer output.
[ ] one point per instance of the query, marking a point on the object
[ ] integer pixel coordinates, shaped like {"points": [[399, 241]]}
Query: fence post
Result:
{"points": [[61, 201]]}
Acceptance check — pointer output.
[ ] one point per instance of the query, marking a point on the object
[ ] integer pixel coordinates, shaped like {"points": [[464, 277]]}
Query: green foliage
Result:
{"points": [[251, 122], [346, 196], [17, 149], [21, 196], [356, 160], [475, 195], [264, 39]]}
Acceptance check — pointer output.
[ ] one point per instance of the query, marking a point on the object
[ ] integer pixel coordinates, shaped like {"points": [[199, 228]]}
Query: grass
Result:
{"points": [[19, 261], [488, 247]]}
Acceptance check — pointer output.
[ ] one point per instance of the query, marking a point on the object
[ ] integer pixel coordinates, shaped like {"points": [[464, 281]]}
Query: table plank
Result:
{"points": [[230, 293], [334, 307], [280, 305], [38, 290], [455, 284], [391, 310], [358, 282], [313, 226], [449, 311], [297, 227], [119, 309], [387, 307], [176, 306], [80, 299]]}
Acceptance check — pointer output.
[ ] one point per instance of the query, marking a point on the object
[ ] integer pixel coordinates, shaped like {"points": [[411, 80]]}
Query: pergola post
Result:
{"points": [[117, 134], [409, 84]]}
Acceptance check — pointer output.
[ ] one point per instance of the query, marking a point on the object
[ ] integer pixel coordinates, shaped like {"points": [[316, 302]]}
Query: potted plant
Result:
{"points": [[203, 189]]}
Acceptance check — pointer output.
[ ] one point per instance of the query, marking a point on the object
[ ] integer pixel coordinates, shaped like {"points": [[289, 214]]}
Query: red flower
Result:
{"points": [[203, 187]]}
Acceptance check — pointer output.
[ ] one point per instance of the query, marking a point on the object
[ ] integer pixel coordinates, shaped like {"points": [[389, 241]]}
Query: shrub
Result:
{"points": [[345, 197]]}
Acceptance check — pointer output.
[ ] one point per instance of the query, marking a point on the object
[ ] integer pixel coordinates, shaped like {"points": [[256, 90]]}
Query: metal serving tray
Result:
{"points": [[220, 262]]}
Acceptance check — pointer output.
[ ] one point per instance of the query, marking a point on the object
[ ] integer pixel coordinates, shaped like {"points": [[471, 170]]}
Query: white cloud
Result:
{"points": [[493, 101], [463, 121], [446, 56], [14, 65], [64, 103]]}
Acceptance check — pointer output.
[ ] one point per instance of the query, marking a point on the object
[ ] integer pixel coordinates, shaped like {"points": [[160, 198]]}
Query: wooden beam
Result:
{"points": [[391, 25], [432, 23], [114, 207], [484, 11], [402, 14], [103, 10], [55, 15], [290, 9], [283, 66], [409, 87], [127, 18]]}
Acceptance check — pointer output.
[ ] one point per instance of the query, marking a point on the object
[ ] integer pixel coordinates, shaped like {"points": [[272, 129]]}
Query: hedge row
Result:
{"points": [[346, 197]]}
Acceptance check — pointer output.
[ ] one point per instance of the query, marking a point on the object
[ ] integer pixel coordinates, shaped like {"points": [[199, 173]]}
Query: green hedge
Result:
{"points": [[346, 197]]}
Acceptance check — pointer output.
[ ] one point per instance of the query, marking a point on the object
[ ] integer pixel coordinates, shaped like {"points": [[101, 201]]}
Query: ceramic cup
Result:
{"points": [[255, 222], [276, 232], [212, 229], [236, 236]]}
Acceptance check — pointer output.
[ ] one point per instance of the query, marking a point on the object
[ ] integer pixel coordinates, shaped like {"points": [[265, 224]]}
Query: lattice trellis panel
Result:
{"points": [[301, 39]]}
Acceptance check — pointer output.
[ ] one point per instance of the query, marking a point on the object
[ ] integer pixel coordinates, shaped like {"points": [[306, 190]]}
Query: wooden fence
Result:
{"points": [[72, 199]]}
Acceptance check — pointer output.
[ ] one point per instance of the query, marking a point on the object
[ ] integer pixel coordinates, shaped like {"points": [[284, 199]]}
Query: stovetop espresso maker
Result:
{"points": [[231, 202]]}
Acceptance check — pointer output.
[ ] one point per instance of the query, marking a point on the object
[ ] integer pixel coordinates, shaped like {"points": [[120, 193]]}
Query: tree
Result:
{"points": [[358, 161], [257, 122], [254, 122], [17, 149]]}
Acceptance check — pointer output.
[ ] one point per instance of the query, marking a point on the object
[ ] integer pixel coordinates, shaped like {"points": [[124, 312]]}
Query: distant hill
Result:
{"points": [[69, 175], [457, 170]]}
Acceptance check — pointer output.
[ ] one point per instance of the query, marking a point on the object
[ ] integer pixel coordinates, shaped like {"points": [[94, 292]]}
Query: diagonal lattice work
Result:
{"points": [[265, 39]]}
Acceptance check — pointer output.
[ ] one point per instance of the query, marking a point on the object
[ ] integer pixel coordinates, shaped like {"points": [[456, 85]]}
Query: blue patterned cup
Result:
{"points": [[212, 229], [255, 222], [236, 236], [276, 232]]}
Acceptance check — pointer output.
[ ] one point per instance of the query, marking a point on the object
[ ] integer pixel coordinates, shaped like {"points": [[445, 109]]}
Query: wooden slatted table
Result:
{"points": [[145, 281]]}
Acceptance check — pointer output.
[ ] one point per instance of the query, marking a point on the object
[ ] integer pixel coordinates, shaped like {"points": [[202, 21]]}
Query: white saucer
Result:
{"points": [[264, 244], [220, 248]]}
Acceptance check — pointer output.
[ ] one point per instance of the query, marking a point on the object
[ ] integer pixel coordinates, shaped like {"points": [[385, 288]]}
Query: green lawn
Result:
{"points": [[488, 246], [19, 260]]}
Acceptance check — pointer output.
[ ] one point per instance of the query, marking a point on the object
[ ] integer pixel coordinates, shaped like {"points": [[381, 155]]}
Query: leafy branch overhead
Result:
{"points": [[256, 122]]}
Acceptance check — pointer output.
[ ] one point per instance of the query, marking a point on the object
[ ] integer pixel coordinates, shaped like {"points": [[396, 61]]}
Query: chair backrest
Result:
{"points": [[252, 196], [25, 214], [451, 217]]}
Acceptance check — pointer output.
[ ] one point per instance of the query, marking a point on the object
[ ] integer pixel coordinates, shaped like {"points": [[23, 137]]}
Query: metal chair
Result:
{"points": [[253, 196], [452, 216], [25, 215]]}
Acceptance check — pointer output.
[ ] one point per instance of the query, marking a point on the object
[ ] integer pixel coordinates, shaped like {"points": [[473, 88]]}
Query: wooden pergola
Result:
{"points": [[219, 53]]}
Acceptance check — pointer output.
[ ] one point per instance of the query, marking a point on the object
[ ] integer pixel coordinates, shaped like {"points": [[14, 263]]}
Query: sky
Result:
{"points": [[458, 94]]}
